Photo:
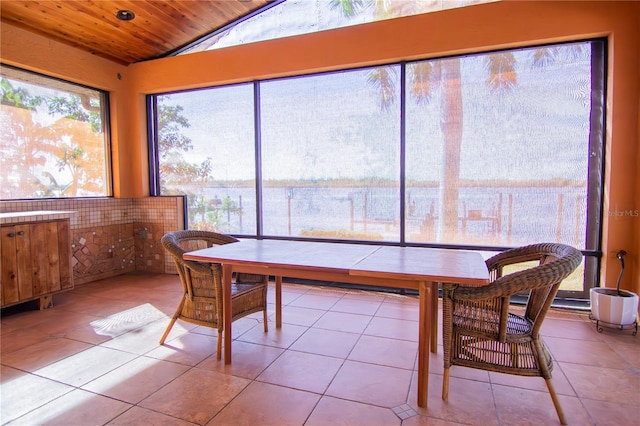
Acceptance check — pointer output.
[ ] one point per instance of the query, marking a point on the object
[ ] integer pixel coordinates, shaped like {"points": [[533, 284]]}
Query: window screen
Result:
{"points": [[483, 152], [53, 140], [331, 156], [206, 151], [498, 147]]}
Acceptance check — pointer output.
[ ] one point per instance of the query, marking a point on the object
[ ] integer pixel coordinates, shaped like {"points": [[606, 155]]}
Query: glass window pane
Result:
{"points": [[206, 150], [330, 152], [498, 147], [53, 142], [296, 17]]}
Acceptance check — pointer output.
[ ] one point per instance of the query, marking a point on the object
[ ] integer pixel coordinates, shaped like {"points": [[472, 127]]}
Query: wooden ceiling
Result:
{"points": [[159, 27]]}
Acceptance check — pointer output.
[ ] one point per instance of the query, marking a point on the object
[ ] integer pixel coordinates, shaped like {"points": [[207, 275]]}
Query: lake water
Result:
{"points": [[495, 215]]}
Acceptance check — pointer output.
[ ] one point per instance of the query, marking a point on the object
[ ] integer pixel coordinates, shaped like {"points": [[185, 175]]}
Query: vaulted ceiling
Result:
{"points": [[158, 28]]}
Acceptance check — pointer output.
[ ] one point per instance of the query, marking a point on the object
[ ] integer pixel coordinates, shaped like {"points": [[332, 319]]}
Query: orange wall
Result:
{"points": [[476, 28], [636, 229]]}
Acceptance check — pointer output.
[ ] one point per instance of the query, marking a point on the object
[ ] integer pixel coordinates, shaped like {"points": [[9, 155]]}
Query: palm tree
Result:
{"points": [[424, 79]]}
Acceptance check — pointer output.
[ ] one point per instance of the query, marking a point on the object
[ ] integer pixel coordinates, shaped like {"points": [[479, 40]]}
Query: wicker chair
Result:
{"points": [[201, 302], [480, 332]]}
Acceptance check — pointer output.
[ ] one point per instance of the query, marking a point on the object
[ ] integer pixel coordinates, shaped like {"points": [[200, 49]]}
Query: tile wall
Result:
{"points": [[112, 236]]}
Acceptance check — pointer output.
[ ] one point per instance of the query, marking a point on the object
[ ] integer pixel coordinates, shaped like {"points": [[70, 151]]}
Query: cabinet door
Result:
{"points": [[45, 257], [16, 264], [53, 257], [9, 266], [23, 255]]}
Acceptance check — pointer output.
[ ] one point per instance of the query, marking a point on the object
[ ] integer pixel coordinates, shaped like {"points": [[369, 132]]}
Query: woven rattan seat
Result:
{"points": [[201, 301], [480, 332]]}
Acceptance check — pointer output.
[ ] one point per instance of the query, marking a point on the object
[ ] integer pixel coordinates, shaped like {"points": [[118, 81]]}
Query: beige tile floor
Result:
{"points": [[342, 357]]}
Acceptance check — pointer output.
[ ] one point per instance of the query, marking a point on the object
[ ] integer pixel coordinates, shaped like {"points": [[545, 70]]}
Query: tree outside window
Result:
{"points": [[53, 142]]}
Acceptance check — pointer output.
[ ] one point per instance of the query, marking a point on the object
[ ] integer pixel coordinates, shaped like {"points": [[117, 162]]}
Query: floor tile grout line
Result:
{"points": [[612, 342]]}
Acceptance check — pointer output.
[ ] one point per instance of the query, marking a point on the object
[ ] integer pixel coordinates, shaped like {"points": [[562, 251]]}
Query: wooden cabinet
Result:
{"points": [[36, 261]]}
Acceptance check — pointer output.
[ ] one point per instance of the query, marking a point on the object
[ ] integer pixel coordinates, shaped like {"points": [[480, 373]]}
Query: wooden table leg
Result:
{"points": [[227, 271], [278, 302], [424, 339], [434, 317]]}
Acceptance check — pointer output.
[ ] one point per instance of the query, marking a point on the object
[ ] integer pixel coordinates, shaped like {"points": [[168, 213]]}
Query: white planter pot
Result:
{"points": [[609, 306]]}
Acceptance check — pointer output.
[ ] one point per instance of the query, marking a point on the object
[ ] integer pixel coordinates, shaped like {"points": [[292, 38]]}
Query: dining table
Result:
{"points": [[377, 265]]}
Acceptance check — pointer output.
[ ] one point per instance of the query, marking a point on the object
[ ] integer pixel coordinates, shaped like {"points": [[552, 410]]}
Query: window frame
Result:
{"points": [[595, 179], [105, 117]]}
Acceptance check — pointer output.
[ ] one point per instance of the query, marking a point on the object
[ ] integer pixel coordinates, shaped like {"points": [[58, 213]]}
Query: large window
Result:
{"points": [[330, 157], [498, 147], [205, 150], [53, 140], [483, 151]]}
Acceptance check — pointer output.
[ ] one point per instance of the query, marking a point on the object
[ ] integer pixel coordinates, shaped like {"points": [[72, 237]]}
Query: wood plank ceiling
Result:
{"points": [[159, 27]]}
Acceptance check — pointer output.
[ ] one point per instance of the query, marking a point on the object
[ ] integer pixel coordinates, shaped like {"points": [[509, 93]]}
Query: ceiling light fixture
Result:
{"points": [[125, 15]]}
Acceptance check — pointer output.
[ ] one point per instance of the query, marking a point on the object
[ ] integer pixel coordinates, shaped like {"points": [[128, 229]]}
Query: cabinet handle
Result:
{"points": [[12, 276], [21, 233], [11, 235]]}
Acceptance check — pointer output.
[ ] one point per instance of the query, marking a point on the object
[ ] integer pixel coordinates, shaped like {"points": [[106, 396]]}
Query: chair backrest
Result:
{"points": [[553, 263], [545, 266], [178, 243]]}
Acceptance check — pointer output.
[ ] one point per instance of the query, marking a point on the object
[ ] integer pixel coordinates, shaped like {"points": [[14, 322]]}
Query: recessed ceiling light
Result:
{"points": [[125, 15]]}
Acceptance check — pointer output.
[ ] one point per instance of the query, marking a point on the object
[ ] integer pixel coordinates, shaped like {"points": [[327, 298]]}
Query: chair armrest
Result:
{"points": [[481, 312], [199, 267]]}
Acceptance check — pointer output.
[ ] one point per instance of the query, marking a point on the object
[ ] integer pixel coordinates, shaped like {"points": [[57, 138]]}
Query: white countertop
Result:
{"points": [[34, 216]]}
